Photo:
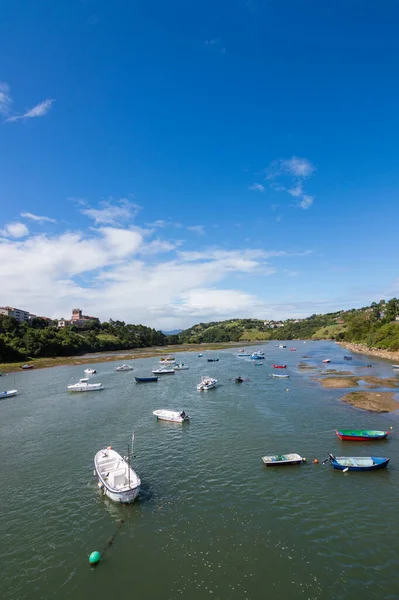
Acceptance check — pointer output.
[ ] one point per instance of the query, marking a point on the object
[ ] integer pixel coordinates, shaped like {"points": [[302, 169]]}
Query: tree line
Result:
{"points": [[40, 339]]}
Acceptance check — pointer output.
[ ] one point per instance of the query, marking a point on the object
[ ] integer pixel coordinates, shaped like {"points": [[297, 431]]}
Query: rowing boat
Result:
{"points": [[282, 459], [360, 435], [357, 463]]}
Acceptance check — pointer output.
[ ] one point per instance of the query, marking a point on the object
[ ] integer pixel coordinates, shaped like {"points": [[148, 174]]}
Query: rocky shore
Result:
{"points": [[361, 349]]}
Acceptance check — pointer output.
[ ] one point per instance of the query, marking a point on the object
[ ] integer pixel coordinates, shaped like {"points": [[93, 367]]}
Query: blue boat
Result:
{"points": [[258, 356], [357, 463], [213, 360], [347, 357], [145, 379]]}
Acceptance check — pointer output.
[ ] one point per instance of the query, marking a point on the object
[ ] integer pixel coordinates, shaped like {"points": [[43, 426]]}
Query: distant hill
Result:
{"points": [[376, 326], [172, 331]]}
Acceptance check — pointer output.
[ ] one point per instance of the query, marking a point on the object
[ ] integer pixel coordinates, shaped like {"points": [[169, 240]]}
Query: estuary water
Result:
{"points": [[210, 521]]}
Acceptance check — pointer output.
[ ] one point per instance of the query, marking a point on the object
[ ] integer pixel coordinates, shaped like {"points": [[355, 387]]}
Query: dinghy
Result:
{"points": [[213, 360], [326, 360], [282, 459], [347, 357], [293, 349], [207, 383], [176, 416], [395, 366], [180, 367], [360, 435], [357, 463], [90, 371], [200, 355], [239, 379], [244, 353], [124, 368], [115, 476], [145, 379], [279, 376], [25, 367], [163, 372], [279, 366], [8, 394], [83, 385]]}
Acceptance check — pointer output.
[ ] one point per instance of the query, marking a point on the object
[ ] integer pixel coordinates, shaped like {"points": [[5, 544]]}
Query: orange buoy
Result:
{"points": [[315, 461]]}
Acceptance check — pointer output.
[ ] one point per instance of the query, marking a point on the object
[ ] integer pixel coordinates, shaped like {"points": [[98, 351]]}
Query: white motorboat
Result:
{"points": [[279, 376], [180, 367], [207, 383], [124, 368], [164, 372], [116, 477], [282, 346], [395, 367], [83, 385], [176, 416], [8, 394], [90, 371]]}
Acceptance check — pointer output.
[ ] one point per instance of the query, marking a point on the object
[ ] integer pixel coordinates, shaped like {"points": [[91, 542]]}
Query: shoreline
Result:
{"points": [[361, 349], [102, 357]]}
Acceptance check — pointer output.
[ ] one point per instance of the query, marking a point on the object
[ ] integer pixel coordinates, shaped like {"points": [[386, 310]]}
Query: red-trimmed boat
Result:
{"points": [[360, 435], [279, 366]]}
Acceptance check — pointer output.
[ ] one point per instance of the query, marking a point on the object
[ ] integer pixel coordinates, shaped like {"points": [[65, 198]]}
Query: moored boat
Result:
{"points": [[280, 376], [212, 359], [83, 385], [167, 360], [293, 349], [26, 367], [145, 379], [116, 477], [357, 463], [163, 372], [207, 383], [124, 368], [347, 358], [176, 416], [326, 360], [276, 460], [360, 435], [200, 355], [90, 371], [242, 353], [239, 379], [279, 366], [258, 356], [282, 346], [395, 366], [8, 394], [180, 367]]}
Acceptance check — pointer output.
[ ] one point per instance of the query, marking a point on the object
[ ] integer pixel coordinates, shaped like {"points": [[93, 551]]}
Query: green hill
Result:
{"points": [[374, 325]]}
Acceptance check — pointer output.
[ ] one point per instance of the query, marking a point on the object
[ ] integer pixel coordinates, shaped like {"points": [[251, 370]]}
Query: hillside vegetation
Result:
{"points": [[374, 326], [39, 339]]}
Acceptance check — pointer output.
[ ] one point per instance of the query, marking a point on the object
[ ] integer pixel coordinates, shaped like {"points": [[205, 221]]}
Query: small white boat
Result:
{"points": [[116, 477], [163, 372], [8, 394], [395, 366], [180, 367], [242, 353], [169, 360], [279, 376], [83, 385], [124, 368], [282, 346], [90, 371], [207, 383], [282, 459], [176, 416], [200, 355], [326, 360]]}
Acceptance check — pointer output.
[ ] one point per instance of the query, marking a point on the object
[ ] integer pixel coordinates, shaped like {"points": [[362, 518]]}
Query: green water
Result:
{"points": [[211, 521]]}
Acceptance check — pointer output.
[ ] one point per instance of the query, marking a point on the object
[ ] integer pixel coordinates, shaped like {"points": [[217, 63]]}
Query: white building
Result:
{"points": [[17, 313]]}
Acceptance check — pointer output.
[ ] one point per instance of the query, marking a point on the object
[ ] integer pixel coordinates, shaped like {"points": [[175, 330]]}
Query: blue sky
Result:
{"points": [[169, 163]]}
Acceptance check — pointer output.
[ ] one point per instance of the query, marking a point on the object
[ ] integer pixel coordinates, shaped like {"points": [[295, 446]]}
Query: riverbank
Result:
{"points": [[361, 349], [126, 355]]}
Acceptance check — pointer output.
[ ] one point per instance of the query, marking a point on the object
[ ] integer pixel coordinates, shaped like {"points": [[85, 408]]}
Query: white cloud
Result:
{"points": [[161, 223], [306, 201], [112, 212], [257, 187], [28, 215], [197, 229], [15, 230], [159, 246], [5, 98], [39, 110], [288, 175]]}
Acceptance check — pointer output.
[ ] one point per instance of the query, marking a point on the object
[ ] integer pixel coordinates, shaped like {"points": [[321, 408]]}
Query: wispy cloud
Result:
{"points": [[161, 223], [288, 175], [112, 212], [5, 98], [257, 187], [15, 230], [200, 229], [215, 43], [37, 218], [39, 110]]}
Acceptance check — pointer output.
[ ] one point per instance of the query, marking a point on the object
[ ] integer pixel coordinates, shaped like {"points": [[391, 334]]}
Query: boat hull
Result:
{"points": [[146, 379], [9, 394], [122, 496], [282, 460], [279, 366], [85, 389]]}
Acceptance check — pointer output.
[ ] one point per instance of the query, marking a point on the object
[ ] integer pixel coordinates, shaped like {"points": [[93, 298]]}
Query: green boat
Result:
{"points": [[360, 435]]}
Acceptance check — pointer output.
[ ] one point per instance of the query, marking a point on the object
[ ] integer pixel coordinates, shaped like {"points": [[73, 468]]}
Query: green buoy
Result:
{"points": [[94, 558]]}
